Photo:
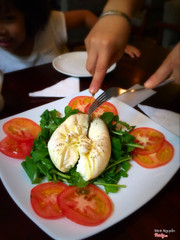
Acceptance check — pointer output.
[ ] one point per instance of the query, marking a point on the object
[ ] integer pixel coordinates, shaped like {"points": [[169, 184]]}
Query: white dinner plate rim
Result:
{"points": [[78, 71]]}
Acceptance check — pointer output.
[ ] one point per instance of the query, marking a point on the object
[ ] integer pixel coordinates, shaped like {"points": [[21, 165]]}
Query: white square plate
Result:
{"points": [[142, 184]]}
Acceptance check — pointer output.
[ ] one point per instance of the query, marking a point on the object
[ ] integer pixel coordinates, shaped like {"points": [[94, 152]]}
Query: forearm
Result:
{"points": [[90, 19], [120, 23], [79, 18]]}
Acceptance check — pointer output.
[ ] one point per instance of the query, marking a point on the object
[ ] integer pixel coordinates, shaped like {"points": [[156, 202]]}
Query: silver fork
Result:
{"points": [[116, 91]]}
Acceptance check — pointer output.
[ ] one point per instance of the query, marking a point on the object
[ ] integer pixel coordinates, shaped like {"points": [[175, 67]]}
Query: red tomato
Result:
{"points": [[161, 157], [15, 149], [44, 199], [105, 107], [88, 206], [21, 129], [150, 138], [80, 102], [83, 103]]}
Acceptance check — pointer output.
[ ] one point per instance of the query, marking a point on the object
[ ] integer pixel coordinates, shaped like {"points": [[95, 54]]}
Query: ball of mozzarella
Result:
{"points": [[69, 144]]}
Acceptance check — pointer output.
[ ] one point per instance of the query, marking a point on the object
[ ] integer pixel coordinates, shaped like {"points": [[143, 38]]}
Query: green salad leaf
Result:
{"points": [[39, 165]]}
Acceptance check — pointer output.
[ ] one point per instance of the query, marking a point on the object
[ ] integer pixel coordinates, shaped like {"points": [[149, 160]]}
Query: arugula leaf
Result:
{"points": [[109, 118], [76, 178], [126, 166], [32, 171]]}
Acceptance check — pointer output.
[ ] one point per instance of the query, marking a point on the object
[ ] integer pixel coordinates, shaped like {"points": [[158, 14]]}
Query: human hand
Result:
{"points": [[171, 65], [105, 44], [132, 51]]}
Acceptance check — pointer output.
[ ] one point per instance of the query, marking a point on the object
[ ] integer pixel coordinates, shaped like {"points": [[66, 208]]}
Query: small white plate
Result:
{"points": [[142, 184], [74, 64]]}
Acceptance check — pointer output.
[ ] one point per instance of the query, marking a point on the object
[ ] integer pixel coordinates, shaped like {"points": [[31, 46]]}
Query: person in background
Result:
{"points": [[170, 66], [106, 41], [32, 34]]}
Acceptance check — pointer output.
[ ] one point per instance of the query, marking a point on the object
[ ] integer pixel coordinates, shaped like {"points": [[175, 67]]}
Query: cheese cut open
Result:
{"points": [[69, 144]]}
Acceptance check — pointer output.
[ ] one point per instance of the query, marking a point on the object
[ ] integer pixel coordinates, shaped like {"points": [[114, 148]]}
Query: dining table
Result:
{"points": [[161, 213]]}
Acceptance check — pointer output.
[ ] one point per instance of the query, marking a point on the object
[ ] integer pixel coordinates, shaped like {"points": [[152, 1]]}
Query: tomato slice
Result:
{"points": [[83, 104], [15, 149], [88, 206], [80, 102], [160, 158], [44, 199], [150, 138], [105, 107], [21, 129]]}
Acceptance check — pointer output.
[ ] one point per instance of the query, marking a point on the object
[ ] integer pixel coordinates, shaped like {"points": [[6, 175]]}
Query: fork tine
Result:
{"points": [[106, 95], [98, 102], [103, 98]]}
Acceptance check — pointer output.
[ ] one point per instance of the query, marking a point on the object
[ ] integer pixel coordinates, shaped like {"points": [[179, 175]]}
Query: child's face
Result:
{"points": [[12, 30]]}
